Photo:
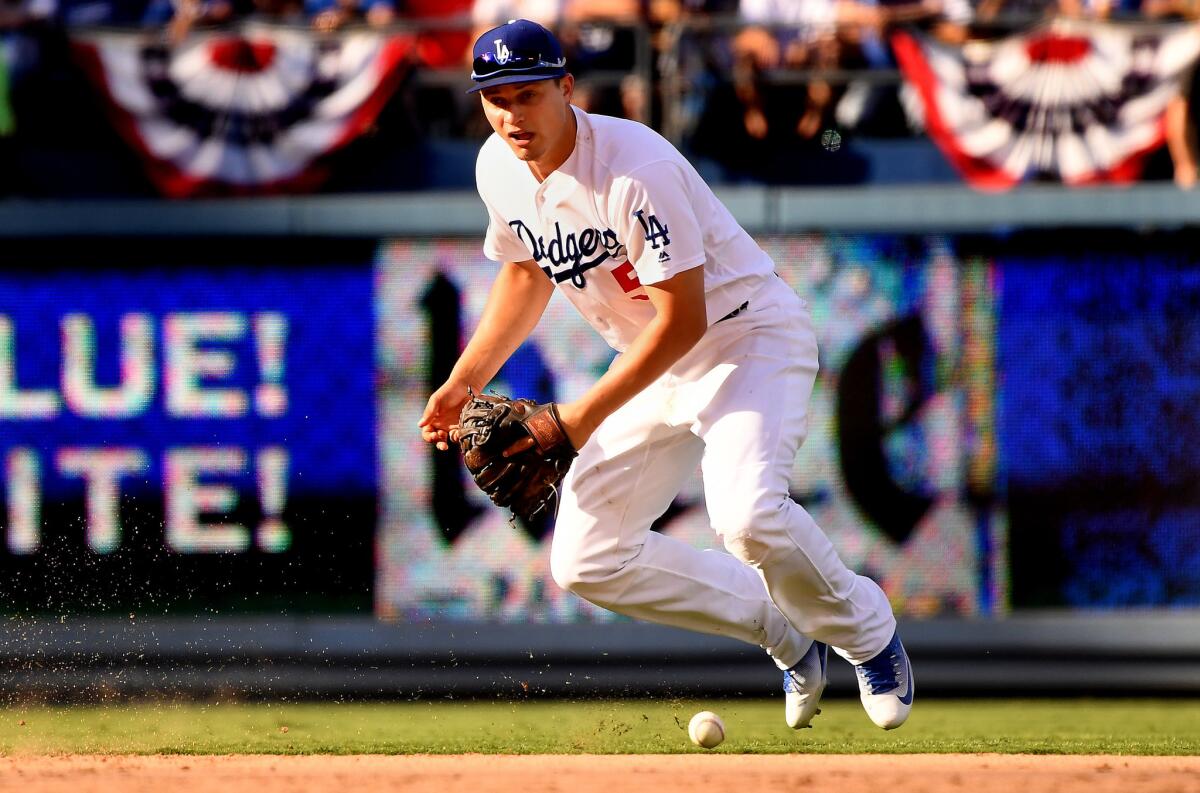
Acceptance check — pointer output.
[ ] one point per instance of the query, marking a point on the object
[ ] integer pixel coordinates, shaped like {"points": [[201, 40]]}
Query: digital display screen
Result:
{"points": [[900, 319], [1099, 351], [1000, 422], [185, 435]]}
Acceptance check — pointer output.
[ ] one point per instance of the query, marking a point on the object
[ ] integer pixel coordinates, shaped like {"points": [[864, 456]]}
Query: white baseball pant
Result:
{"points": [[737, 404]]}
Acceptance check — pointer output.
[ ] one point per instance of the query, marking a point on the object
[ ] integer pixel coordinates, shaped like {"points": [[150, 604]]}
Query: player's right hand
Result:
{"points": [[441, 413]]}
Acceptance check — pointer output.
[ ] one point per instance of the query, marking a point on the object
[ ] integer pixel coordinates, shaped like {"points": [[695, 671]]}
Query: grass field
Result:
{"points": [[1151, 727]]}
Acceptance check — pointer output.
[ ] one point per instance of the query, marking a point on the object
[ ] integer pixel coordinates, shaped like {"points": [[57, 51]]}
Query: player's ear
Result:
{"points": [[566, 84]]}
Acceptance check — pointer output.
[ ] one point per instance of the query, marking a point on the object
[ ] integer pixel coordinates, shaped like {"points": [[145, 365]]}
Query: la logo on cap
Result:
{"points": [[502, 53]]}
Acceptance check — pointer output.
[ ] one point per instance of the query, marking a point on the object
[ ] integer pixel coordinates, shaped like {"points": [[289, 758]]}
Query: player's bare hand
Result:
{"points": [[441, 414]]}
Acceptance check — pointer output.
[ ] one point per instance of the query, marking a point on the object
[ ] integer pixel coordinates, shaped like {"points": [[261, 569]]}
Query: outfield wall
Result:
{"points": [[207, 414]]}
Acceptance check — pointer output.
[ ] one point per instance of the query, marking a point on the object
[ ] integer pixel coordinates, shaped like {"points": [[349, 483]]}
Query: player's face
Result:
{"points": [[533, 118]]}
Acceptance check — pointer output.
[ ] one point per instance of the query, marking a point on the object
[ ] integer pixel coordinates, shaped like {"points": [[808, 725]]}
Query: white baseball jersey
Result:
{"points": [[625, 209]]}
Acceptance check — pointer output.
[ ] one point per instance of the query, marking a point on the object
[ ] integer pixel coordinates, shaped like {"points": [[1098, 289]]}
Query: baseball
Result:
{"points": [[706, 729]]}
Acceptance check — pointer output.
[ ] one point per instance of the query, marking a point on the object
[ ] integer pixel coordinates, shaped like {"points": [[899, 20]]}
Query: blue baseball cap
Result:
{"points": [[519, 51]]}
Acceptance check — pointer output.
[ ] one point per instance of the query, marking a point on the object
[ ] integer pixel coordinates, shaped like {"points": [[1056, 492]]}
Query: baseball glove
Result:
{"points": [[516, 450]]}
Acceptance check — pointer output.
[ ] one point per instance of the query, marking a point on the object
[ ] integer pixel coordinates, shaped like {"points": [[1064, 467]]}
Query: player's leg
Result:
{"points": [[753, 421], [624, 478]]}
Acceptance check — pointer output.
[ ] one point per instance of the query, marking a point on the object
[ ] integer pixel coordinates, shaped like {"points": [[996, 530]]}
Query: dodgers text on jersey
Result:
{"points": [[572, 249]]}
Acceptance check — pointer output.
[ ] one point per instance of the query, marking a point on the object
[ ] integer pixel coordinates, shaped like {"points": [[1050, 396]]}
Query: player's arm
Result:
{"points": [[679, 323], [655, 217], [515, 304]]}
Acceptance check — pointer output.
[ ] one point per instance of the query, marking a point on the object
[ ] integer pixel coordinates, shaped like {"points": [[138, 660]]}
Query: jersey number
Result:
{"points": [[654, 229], [626, 276]]}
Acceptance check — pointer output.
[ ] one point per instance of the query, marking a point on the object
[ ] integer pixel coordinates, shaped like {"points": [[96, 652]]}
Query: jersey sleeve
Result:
{"points": [[658, 224], [501, 243]]}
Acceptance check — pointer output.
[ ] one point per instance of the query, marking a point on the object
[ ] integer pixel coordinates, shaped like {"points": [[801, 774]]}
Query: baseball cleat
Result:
{"points": [[803, 685], [885, 685]]}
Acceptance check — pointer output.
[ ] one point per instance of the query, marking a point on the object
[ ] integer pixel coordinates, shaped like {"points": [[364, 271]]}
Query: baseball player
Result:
{"points": [[717, 362]]}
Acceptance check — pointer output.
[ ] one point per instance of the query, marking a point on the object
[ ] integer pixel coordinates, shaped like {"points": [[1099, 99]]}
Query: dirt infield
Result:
{"points": [[601, 774]]}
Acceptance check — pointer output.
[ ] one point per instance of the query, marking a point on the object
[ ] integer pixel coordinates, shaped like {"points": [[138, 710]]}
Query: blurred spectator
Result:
{"points": [[945, 20], [1170, 9], [289, 12], [437, 108], [795, 34], [82, 13], [662, 14], [178, 17], [1180, 122], [487, 14], [24, 25], [1181, 135], [693, 57], [600, 42], [17, 14], [327, 15], [884, 110], [994, 17], [1131, 9], [1159, 10]]}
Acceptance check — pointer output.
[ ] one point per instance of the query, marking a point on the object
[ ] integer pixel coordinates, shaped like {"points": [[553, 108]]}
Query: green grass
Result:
{"points": [[1168, 727]]}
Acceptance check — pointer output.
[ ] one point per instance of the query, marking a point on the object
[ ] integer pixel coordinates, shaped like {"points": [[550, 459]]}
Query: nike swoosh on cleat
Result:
{"points": [[908, 695]]}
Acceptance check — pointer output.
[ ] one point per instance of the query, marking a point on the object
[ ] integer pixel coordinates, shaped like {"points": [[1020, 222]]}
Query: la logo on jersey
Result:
{"points": [[502, 53], [655, 232]]}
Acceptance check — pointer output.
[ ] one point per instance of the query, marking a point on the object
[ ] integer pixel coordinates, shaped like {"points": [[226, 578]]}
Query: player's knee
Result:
{"points": [[748, 532], [570, 573], [591, 587], [566, 572], [592, 581], [746, 547]]}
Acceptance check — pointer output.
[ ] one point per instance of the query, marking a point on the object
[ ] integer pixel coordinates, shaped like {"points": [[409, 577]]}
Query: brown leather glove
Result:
{"points": [[516, 450]]}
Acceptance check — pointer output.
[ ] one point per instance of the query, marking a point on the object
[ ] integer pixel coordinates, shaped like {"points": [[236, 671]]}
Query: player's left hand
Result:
{"points": [[441, 413], [577, 424]]}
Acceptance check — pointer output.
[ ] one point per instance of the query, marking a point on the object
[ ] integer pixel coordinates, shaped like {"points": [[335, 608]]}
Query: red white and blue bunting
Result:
{"points": [[1072, 101], [248, 112]]}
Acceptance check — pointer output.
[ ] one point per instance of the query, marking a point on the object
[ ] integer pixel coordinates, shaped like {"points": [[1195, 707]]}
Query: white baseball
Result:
{"points": [[706, 729]]}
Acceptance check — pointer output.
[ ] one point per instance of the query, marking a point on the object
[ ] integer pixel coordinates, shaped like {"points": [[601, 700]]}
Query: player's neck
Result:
{"points": [[558, 153]]}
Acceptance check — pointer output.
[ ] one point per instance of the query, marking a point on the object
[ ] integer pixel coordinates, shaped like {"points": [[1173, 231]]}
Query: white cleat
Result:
{"points": [[885, 685], [804, 684]]}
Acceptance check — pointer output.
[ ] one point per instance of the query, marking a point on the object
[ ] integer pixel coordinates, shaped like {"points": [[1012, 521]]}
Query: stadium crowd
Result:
{"points": [[755, 89]]}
